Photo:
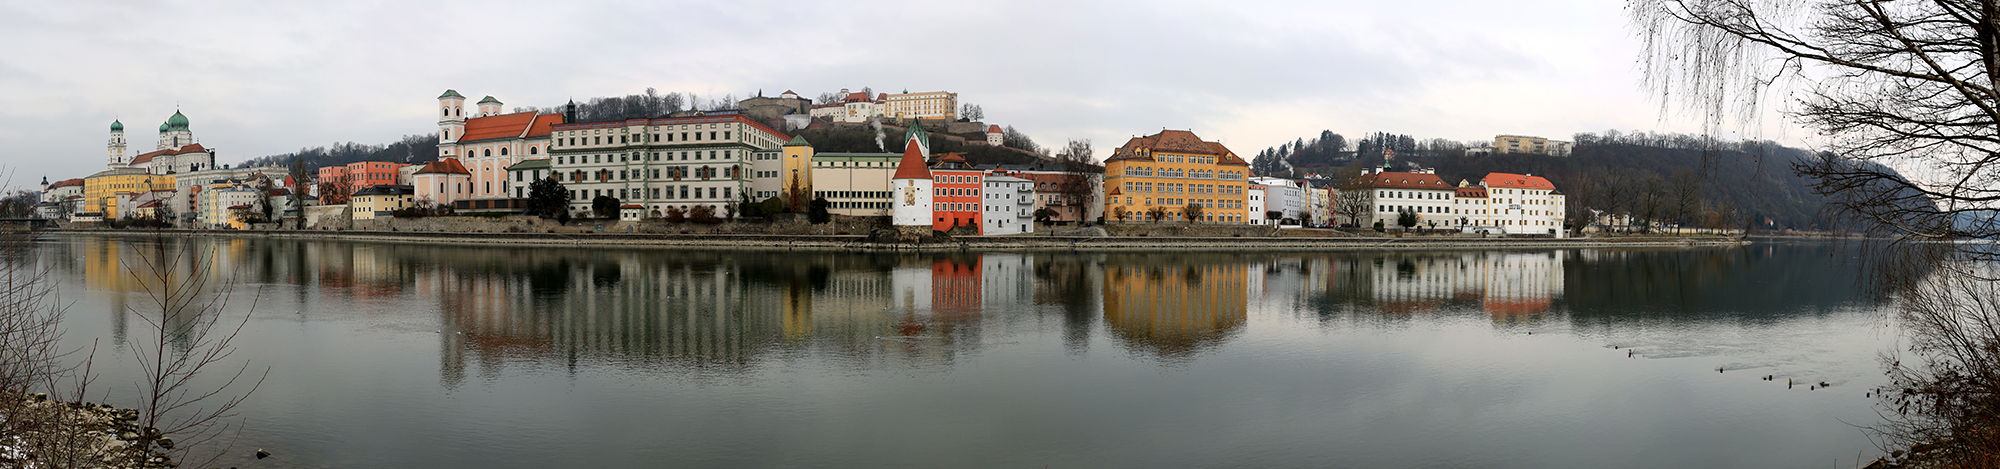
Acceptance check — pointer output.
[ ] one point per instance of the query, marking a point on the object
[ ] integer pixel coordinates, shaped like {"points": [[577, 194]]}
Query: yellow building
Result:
{"points": [[1526, 144], [100, 191], [1171, 170], [379, 201], [1174, 310], [922, 105], [795, 177]]}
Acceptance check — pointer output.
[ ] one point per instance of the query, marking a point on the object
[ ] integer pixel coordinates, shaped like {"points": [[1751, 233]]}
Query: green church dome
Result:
{"points": [[117, 126], [177, 122], [451, 94], [489, 99], [163, 127]]}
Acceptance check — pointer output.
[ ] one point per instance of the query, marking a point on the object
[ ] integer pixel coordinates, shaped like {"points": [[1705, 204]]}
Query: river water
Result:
{"points": [[396, 355]]}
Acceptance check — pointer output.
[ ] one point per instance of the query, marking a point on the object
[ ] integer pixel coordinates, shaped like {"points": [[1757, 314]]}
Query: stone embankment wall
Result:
{"points": [[568, 236]]}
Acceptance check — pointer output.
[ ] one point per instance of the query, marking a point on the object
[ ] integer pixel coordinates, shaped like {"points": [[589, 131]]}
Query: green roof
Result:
{"points": [[117, 126], [451, 94], [917, 132], [798, 141], [489, 99], [177, 121], [538, 163]]}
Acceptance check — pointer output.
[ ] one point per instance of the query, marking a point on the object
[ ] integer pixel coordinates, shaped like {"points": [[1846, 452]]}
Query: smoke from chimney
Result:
{"points": [[877, 124]]}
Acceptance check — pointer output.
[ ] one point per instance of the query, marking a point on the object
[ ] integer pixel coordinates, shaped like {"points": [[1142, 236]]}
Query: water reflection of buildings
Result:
{"points": [[706, 313], [1174, 310], [1504, 284]]}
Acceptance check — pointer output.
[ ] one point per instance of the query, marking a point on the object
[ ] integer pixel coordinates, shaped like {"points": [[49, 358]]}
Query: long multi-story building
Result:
{"points": [[1527, 144], [336, 183], [920, 105], [678, 162], [1522, 204], [1419, 191], [1171, 170]]}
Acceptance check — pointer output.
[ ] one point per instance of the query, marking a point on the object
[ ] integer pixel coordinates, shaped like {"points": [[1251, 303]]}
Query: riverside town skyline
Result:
{"points": [[1482, 70], [1063, 234]]}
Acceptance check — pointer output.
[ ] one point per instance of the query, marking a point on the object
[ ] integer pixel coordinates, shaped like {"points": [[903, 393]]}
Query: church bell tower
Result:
{"points": [[116, 146]]}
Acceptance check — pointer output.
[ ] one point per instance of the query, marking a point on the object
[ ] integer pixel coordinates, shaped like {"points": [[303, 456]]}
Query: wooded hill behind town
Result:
{"points": [[1733, 182]]}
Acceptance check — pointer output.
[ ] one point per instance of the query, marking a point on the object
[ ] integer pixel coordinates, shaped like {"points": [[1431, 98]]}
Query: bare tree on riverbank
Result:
{"points": [[1913, 84], [187, 341]]}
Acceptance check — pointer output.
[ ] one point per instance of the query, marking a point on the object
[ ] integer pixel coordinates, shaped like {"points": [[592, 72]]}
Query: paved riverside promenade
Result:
{"points": [[962, 243]]}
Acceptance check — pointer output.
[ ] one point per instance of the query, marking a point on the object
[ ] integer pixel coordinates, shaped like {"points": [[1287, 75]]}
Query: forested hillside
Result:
{"points": [[1666, 177], [412, 149], [1748, 182]]}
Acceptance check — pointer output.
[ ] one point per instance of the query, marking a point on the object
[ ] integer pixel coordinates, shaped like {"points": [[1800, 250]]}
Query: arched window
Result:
{"points": [[488, 152], [503, 151], [534, 150]]}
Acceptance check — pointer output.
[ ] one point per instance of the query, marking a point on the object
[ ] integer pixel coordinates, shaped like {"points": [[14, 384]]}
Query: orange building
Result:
{"points": [[346, 180], [956, 194]]}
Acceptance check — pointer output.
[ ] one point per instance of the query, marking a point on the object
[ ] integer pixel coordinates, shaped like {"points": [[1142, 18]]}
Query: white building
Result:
{"points": [[525, 173], [678, 162], [852, 108], [1285, 196], [1009, 205], [1520, 204], [910, 187], [1419, 191], [61, 199], [1321, 205], [1258, 215]]}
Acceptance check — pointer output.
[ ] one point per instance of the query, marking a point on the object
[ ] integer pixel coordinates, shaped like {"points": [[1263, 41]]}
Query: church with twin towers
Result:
{"points": [[175, 151]]}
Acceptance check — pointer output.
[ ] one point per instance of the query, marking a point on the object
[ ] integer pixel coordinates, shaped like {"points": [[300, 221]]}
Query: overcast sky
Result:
{"points": [[262, 77]]}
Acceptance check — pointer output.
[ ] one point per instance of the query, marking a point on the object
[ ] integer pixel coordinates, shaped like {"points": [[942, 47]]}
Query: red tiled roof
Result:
{"points": [[993, 129], [1474, 192], [445, 166], [148, 156], [856, 97], [150, 204], [1175, 141], [912, 166], [516, 125], [67, 183], [544, 124], [1516, 181], [1407, 181]]}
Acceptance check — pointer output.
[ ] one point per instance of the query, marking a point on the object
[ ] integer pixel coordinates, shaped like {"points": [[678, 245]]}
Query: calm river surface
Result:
{"points": [[389, 355]]}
